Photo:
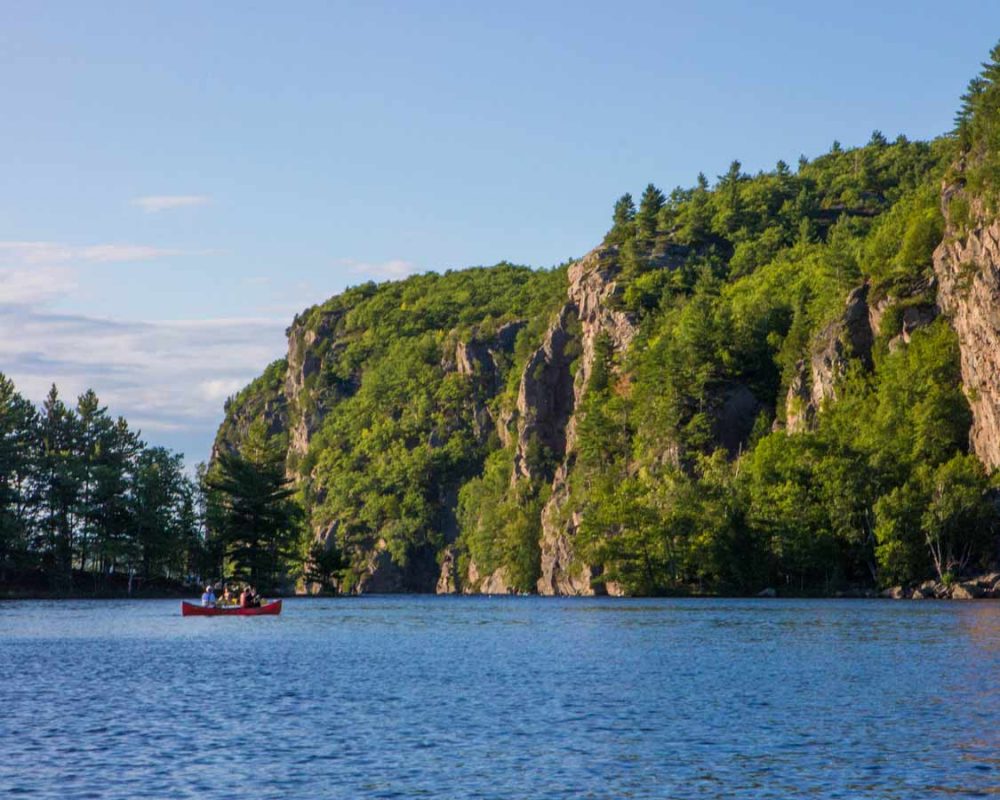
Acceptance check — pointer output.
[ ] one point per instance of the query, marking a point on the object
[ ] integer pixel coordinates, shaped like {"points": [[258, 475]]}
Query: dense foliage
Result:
{"points": [[254, 524], [83, 501], [408, 426], [789, 413], [761, 267], [977, 128]]}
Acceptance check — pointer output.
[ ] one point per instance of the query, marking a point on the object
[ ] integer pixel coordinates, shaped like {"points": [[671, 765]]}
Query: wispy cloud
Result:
{"points": [[167, 378], [167, 202], [392, 270], [218, 389], [18, 254], [36, 285]]}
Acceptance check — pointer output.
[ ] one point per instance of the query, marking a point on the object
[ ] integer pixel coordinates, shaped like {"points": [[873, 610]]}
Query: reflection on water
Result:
{"points": [[497, 698]]}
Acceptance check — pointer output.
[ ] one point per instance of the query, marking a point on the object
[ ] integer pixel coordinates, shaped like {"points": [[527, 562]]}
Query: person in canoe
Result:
{"points": [[228, 600], [249, 598], [208, 598]]}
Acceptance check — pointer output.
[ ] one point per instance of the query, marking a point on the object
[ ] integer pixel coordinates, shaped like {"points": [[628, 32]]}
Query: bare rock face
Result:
{"points": [[845, 338], [734, 420], [479, 361], [561, 574], [447, 580], [307, 406], [478, 358], [381, 576], [591, 287], [545, 398], [494, 583], [849, 336], [967, 266], [800, 412]]}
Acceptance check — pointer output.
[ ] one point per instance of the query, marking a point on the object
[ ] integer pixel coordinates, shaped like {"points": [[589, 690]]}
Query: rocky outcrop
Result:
{"points": [[915, 317], [561, 573], [545, 401], [967, 266], [311, 342], [495, 582], [448, 578], [734, 418], [480, 360], [848, 337], [592, 285], [974, 588], [381, 574]]}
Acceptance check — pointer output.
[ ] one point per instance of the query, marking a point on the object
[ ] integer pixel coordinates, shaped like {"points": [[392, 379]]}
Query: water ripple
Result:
{"points": [[501, 698]]}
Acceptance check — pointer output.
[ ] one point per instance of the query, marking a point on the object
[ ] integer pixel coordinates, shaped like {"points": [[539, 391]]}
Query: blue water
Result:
{"points": [[501, 698]]}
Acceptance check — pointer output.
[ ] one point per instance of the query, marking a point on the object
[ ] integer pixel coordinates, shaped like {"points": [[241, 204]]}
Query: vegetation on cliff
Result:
{"points": [[756, 430], [749, 383]]}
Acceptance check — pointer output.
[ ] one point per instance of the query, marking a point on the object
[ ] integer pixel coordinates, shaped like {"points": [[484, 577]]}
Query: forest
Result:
{"points": [[788, 411], [88, 508]]}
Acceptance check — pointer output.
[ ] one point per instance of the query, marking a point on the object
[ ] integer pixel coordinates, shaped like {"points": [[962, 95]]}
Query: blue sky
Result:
{"points": [[178, 179]]}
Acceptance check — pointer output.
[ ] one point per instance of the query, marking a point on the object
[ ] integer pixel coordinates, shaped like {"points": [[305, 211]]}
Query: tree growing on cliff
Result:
{"points": [[622, 220]]}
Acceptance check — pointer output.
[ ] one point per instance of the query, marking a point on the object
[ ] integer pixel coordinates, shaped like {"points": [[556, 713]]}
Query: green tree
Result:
{"points": [[59, 485], [163, 524], [252, 512], [622, 220], [19, 451], [959, 520], [650, 203]]}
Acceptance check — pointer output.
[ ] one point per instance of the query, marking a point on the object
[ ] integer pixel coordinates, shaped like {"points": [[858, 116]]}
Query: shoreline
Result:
{"points": [[955, 593]]}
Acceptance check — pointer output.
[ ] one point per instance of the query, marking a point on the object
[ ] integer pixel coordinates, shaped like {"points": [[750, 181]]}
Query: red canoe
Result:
{"points": [[192, 610]]}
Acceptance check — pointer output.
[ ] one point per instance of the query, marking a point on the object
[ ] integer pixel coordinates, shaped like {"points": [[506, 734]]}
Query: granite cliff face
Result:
{"points": [[545, 398], [967, 266], [478, 444], [591, 286]]}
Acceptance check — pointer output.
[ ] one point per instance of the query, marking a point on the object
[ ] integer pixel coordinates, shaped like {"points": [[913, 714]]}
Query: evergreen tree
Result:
{"points": [[60, 485], [622, 220], [18, 467], [108, 449], [649, 209], [252, 512]]}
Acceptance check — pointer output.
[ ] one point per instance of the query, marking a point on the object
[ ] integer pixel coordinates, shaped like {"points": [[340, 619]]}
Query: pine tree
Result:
{"points": [[878, 139], [18, 464], [160, 513], [60, 484], [251, 510], [649, 209], [622, 221]]}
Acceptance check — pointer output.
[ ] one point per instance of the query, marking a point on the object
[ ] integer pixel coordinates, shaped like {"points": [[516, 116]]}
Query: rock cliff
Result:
{"points": [[592, 285], [967, 266], [849, 336]]}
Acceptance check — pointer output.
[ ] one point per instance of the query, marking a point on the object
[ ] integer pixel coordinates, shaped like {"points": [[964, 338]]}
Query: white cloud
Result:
{"points": [[167, 202], [13, 253], [169, 379], [218, 389], [28, 287], [393, 269], [34, 273], [105, 253]]}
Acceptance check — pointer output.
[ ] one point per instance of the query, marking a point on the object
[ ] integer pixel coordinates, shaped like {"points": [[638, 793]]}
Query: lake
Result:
{"points": [[453, 697]]}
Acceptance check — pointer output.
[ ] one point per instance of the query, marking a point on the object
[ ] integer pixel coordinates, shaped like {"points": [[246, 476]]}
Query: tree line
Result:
{"points": [[86, 506]]}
